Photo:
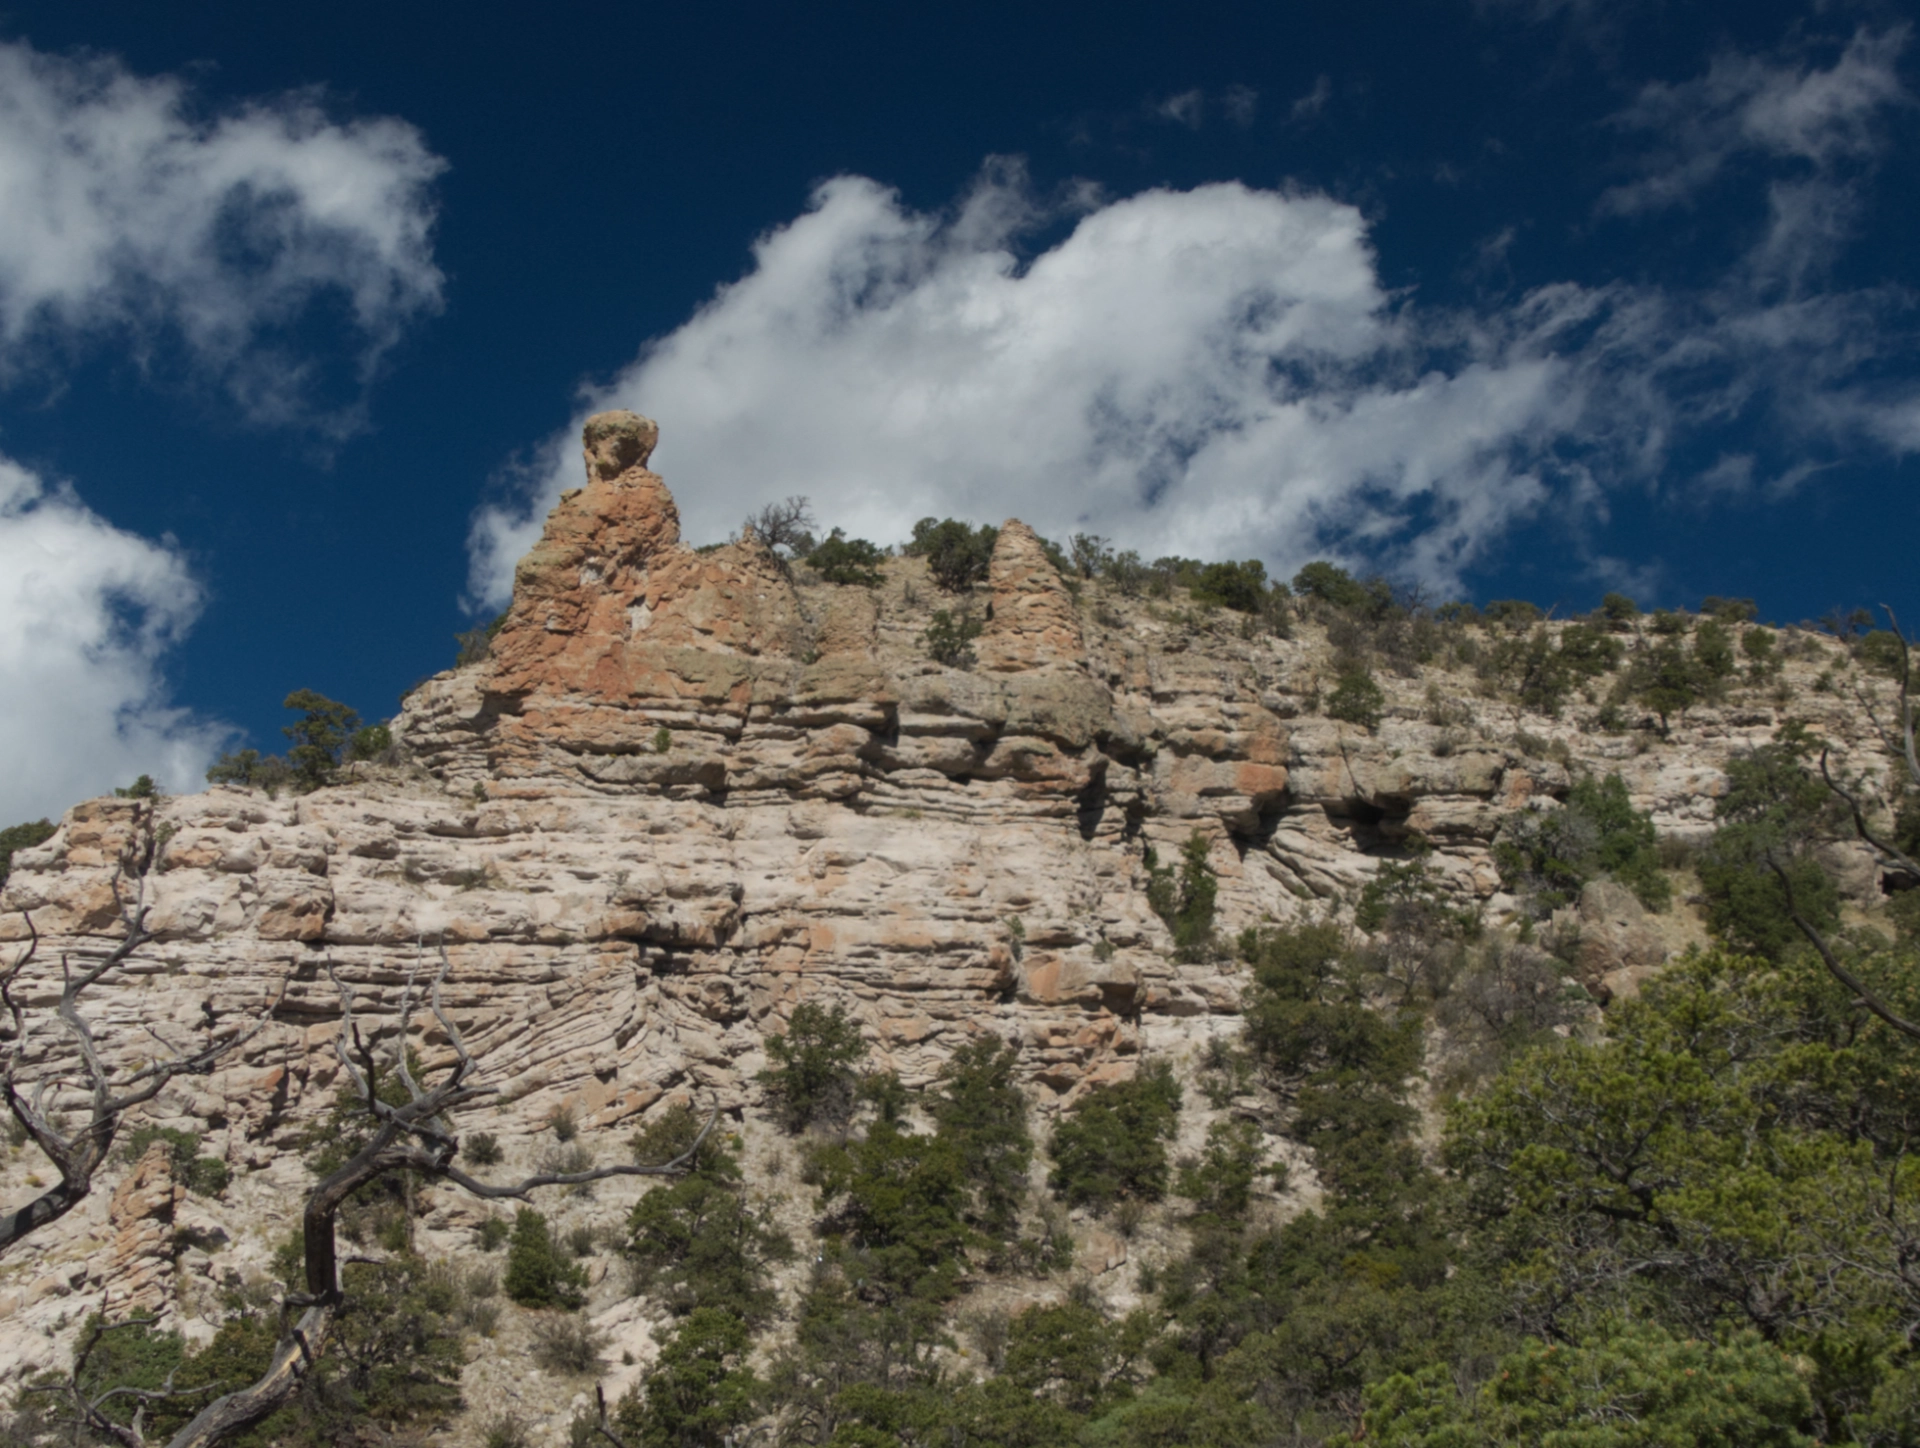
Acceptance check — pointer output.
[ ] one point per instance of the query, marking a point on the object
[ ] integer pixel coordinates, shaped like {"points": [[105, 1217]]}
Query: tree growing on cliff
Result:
{"points": [[957, 555], [812, 1076]]}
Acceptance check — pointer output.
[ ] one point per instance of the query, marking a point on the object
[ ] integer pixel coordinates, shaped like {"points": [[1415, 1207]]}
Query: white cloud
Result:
{"points": [[87, 613], [1817, 126], [130, 217], [1183, 110], [1215, 372], [214, 247], [1308, 106], [1211, 372]]}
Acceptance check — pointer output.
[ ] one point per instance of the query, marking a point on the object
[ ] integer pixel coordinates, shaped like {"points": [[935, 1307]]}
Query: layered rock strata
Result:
{"points": [[686, 792]]}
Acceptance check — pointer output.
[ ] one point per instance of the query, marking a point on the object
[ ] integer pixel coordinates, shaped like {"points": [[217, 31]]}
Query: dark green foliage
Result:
{"points": [[1184, 899], [840, 559], [22, 837], [1344, 1062], [251, 768], [1713, 652], [949, 638], [370, 742], [1514, 613], [700, 1241], [1241, 587], [538, 1272], [812, 1077], [1665, 623], [1727, 1158], [699, 1389], [1333, 585], [393, 1357], [1763, 660], [477, 643], [319, 736], [1760, 867], [205, 1176], [1743, 1393], [1549, 856], [1619, 611], [1356, 698], [1220, 1183], [1883, 651], [1113, 1145], [957, 555], [898, 1199], [491, 1235], [482, 1149], [1729, 610], [977, 1107], [141, 788]]}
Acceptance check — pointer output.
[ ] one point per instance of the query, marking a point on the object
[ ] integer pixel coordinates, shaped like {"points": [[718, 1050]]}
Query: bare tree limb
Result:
{"points": [[77, 1156], [1834, 967], [415, 1136]]}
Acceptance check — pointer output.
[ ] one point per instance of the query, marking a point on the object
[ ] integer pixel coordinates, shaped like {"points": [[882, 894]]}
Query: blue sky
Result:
{"points": [[300, 308]]}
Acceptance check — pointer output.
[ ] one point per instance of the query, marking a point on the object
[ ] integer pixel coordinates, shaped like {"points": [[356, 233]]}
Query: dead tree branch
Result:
{"points": [[79, 1154], [417, 1135]]}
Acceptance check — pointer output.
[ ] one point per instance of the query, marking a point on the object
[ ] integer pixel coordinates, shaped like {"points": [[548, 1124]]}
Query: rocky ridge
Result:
{"points": [[690, 789]]}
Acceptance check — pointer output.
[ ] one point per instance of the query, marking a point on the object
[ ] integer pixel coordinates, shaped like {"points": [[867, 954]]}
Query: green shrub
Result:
{"points": [[812, 1078], [1220, 1183], [1333, 585], [483, 1149], [320, 735], [22, 837], [492, 1234], [1241, 587], [699, 1390], [1619, 611], [538, 1273], [1549, 857], [957, 556], [1729, 610], [1356, 698], [205, 1176], [949, 638], [253, 769], [840, 559], [700, 1241], [1883, 651], [977, 1106], [1184, 899], [1113, 1145]]}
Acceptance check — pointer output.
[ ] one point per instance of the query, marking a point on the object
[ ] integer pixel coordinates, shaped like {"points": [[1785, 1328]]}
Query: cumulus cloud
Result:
{"points": [[130, 217], [87, 613], [271, 251], [1215, 372]]}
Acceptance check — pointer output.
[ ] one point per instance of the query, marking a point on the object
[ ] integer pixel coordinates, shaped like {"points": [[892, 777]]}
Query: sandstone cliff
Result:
{"points": [[689, 790]]}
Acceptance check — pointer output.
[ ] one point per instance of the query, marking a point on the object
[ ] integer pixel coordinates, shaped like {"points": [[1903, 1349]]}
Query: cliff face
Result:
{"points": [[685, 794]]}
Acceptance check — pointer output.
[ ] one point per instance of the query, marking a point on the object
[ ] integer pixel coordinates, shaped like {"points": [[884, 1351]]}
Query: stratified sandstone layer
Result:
{"points": [[685, 794]]}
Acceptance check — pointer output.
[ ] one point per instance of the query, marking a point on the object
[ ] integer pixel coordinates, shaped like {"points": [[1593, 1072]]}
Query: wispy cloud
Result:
{"points": [[1814, 130], [1308, 107], [131, 219], [1184, 109]]}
